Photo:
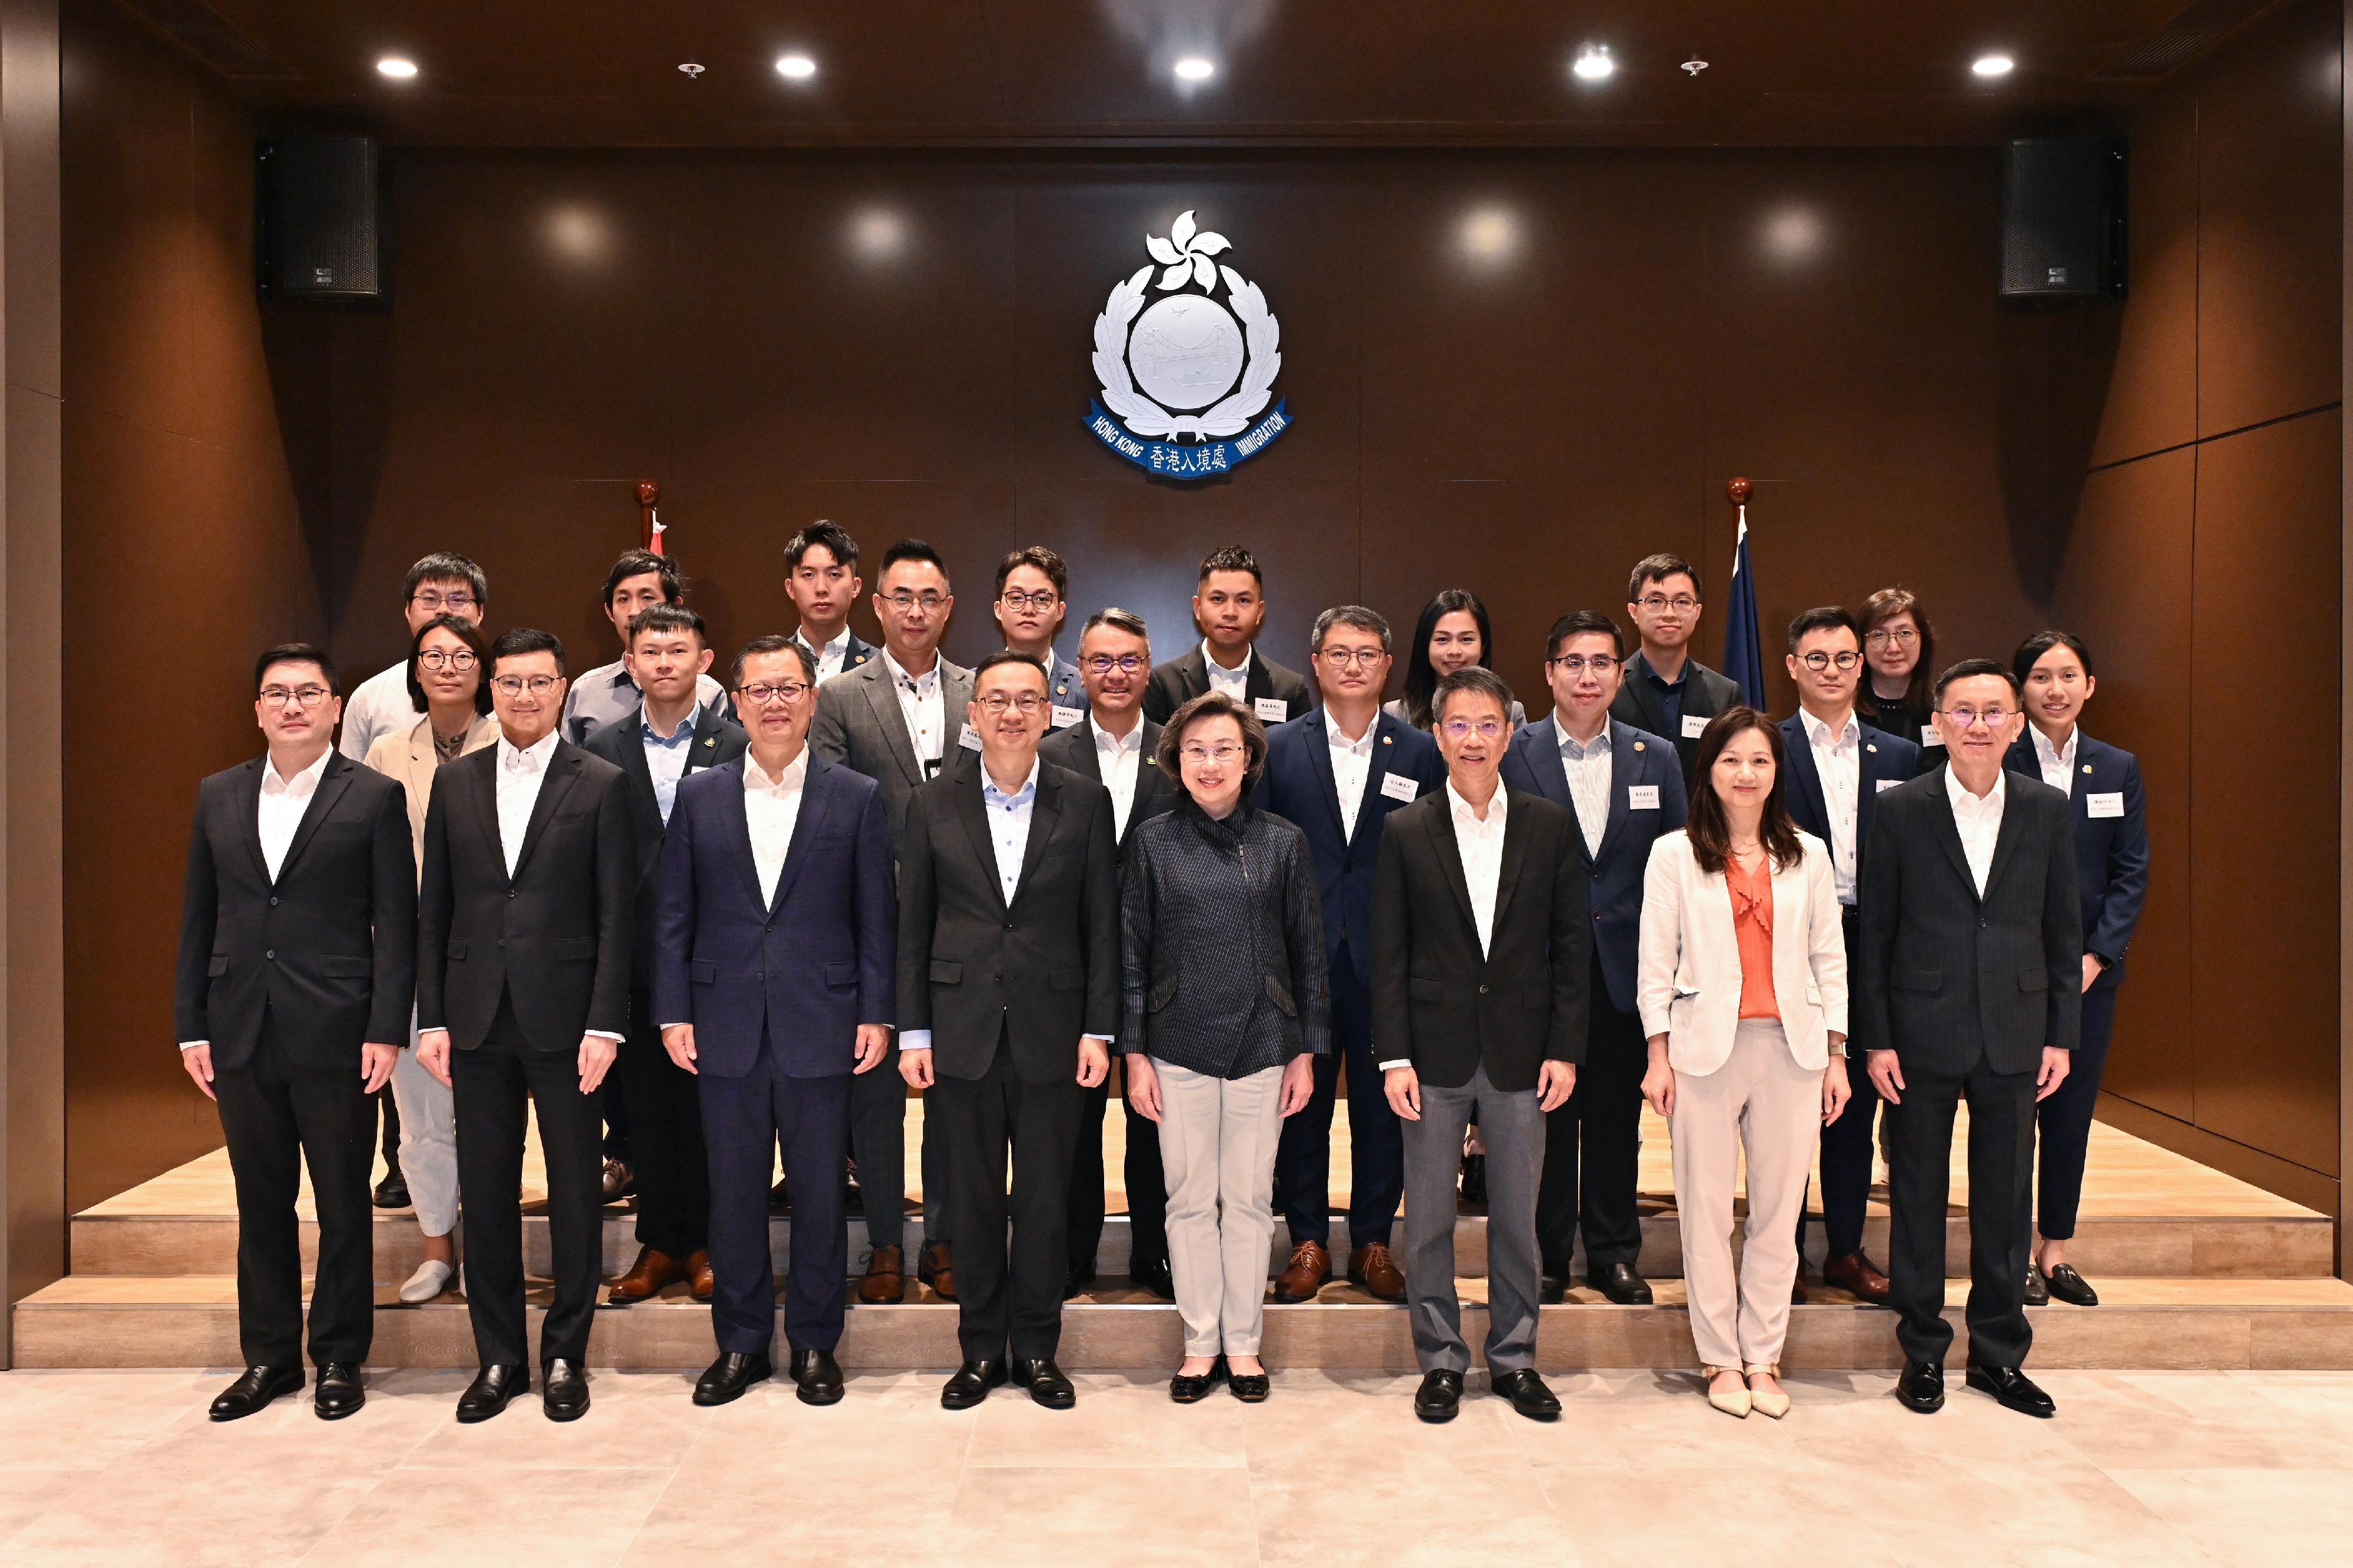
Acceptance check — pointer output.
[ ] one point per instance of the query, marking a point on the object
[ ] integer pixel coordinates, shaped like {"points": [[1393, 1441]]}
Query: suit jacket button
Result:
{"points": [[761, 974], [271, 955], [1000, 979], [502, 941], [1482, 991], [273, 900]]}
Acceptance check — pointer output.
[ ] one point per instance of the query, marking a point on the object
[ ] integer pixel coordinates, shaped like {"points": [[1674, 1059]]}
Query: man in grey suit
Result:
{"points": [[1968, 980], [900, 720]]}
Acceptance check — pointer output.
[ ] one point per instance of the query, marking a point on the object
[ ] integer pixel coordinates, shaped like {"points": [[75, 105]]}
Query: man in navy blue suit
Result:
{"points": [[1838, 765], [1335, 773], [775, 950], [1626, 788]]}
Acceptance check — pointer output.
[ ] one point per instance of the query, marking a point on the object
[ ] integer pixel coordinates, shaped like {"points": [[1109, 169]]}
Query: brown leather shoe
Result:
{"points": [[1373, 1271], [1854, 1275], [885, 1283], [698, 1274], [1310, 1267], [617, 1182], [934, 1267], [645, 1278]]}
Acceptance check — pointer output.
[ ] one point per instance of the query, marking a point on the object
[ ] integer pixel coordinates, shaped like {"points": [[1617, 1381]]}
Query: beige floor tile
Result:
{"points": [[1119, 1423], [62, 1420], [1973, 1514], [635, 1420], [2258, 1518], [179, 1512], [1187, 1517], [577, 1517]]}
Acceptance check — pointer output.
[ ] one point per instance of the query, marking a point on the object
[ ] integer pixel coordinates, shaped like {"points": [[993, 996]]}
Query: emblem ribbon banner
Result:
{"points": [[1197, 461]]}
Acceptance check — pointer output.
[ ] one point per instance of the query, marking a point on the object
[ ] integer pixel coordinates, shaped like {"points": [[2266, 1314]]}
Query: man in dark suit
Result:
{"points": [[1008, 981], [1665, 691], [821, 579], [1623, 787], [1115, 747], [666, 740], [1837, 766], [297, 962], [1229, 607], [1337, 774], [1480, 962], [1968, 985], [777, 930], [1033, 590], [525, 917]]}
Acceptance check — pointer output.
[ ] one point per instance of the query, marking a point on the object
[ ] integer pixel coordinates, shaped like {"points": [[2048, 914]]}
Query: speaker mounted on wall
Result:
{"points": [[319, 219], [2062, 218]]}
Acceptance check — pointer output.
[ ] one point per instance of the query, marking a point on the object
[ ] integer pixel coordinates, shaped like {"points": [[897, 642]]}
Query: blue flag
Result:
{"points": [[1744, 655]]}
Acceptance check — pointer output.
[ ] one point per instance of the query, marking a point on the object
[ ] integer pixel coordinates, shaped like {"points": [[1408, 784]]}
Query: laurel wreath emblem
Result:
{"points": [[1187, 256]]}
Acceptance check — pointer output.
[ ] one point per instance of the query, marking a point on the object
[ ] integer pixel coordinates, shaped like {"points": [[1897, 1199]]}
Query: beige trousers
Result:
{"points": [[1218, 1138], [1762, 1100]]}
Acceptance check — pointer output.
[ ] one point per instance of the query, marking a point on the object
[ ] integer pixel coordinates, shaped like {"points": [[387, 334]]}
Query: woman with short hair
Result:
{"points": [[1899, 651]]}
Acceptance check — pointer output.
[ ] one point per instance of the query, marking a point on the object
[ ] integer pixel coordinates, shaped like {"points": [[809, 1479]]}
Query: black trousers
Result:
{"points": [[1849, 1146], [878, 1139], [618, 1145], [1302, 1156], [2065, 1119], [276, 1114], [808, 1121], [1008, 1297], [1919, 1163], [1147, 1184], [1593, 1146], [492, 1082], [666, 1133], [391, 1110]]}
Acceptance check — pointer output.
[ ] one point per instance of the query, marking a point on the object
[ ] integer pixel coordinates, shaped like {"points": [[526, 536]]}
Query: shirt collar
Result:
{"points": [[1107, 742], [1651, 673], [1240, 672], [1977, 806], [302, 783], [531, 760], [678, 737], [1362, 745], [924, 684], [1596, 747], [789, 782], [1464, 816], [622, 679], [1820, 733], [1028, 790], [837, 648], [2064, 756]]}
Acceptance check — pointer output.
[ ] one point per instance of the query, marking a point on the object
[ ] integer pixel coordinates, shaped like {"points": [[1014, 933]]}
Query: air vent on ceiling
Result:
{"points": [[2188, 36], [215, 45]]}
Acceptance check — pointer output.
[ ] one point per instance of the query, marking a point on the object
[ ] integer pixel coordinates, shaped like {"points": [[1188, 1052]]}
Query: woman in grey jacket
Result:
{"points": [[1226, 999]]}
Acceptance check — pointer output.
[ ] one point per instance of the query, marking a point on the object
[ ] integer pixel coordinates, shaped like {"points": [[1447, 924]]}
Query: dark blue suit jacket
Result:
{"points": [[1064, 689], [812, 967], [2111, 852], [1638, 759], [1298, 787], [1887, 761]]}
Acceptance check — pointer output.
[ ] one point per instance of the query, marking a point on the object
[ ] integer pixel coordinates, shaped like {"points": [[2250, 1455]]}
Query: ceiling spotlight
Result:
{"points": [[1990, 65], [1594, 64], [1694, 66], [691, 71], [397, 69], [795, 67], [1193, 68]]}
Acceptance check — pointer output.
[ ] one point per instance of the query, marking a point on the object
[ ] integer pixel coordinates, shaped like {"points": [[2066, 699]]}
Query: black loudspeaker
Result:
{"points": [[319, 219], [2062, 219]]}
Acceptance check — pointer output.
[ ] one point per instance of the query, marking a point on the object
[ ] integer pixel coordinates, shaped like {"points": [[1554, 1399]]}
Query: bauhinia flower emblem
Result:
{"points": [[1194, 363]]}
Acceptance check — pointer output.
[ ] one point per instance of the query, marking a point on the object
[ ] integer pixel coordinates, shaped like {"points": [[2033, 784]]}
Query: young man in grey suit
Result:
{"points": [[900, 720], [1969, 982]]}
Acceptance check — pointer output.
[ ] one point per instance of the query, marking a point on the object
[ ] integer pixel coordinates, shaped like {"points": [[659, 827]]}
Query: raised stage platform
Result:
{"points": [[2195, 1269]]}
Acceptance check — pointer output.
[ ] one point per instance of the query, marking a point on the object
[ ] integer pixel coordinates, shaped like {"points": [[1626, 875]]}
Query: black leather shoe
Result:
{"points": [[489, 1392], [1474, 1182], [1553, 1290], [2073, 1288], [1440, 1397], [392, 1193], [1192, 1390], [2013, 1388], [1154, 1276], [1528, 1393], [2038, 1290], [724, 1380], [1249, 1387], [1922, 1387], [1046, 1383], [564, 1391], [780, 1197], [1621, 1285], [256, 1389], [816, 1376], [972, 1382], [339, 1392], [1077, 1280]]}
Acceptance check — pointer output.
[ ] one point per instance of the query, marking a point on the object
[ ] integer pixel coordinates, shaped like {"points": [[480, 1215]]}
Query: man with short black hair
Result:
{"points": [[1664, 690], [1033, 588], [821, 579], [639, 580], [1229, 607], [442, 583]]}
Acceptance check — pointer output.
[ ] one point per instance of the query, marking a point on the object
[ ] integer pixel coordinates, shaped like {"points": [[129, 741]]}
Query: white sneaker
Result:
{"points": [[432, 1278]]}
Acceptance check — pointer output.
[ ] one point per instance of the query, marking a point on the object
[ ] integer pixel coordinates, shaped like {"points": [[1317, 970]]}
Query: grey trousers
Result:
{"points": [[1218, 1138], [1514, 1130]]}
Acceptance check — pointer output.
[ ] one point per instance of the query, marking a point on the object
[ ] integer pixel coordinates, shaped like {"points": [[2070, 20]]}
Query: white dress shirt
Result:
{"points": [[1119, 758], [1481, 845], [2058, 766], [1230, 681], [520, 775], [283, 802], [920, 701], [1588, 767], [828, 658], [380, 705], [1978, 819], [1352, 767], [1837, 759], [771, 807], [666, 758]]}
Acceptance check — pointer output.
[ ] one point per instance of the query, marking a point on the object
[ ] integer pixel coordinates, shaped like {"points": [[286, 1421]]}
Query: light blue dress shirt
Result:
{"points": [[666, 759], [1588, 767]]}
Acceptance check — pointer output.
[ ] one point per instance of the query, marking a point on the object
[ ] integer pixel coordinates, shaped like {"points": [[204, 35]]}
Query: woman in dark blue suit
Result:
{"points": [[2111, 858]]}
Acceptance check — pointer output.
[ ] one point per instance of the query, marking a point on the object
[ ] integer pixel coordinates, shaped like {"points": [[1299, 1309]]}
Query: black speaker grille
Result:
{"points": [[320, 218], [2056, 209]]}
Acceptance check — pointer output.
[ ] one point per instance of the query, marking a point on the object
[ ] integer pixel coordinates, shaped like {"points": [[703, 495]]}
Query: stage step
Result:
{"points": [[2144, 1322]]}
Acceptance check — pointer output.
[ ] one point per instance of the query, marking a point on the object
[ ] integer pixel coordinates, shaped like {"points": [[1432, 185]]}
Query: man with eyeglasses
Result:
{"points": [[1625, 789], [441, 584], [1968, 985], [1008, 998], [524, 924], [774, 985], [1836, 767], [1665, 691], [296, 960], [900, 719], [1229, 607], [1115, 747], [821, 579], [608, 694], [1336, 774], [663, 741], [1032, 584]]}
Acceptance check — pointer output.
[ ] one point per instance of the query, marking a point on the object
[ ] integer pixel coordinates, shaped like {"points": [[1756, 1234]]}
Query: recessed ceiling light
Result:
{"points": [[797, 67], [1594, 64], [692, 71], [395, 68], [1993, 65], [1193, 68]]}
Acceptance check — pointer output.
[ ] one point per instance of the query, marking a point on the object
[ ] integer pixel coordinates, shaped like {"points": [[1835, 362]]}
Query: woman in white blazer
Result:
{"points": [[1742, 989]]}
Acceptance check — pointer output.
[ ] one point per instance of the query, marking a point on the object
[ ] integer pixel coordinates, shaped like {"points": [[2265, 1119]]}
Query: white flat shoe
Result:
{"points": [[1774, 1403], [1735, 1401], [432, 1278]]}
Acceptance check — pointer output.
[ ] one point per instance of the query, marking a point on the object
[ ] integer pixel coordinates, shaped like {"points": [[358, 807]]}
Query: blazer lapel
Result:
{"points": [[1450, 859], [1319, 760], [1542, 740], [1043, 813], [883, 699], [1948, 834], [817, 797], [248, 814], [702, 748], [642, 777], [973, 812], [1196, 672], [1799, 749], [1622, 757], [736, 821], [562, 768], [1515, 845], [1646, 699], [2005, 846], [332, 784]]}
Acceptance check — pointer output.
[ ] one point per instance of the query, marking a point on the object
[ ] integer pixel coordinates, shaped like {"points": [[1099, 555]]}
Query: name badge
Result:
{"points": [[1928, 736], [1642, 797], [1886, 785], [1694, 726], [1397, 786], [1066, 717], [2104, 803], [1273, 710], [969, 739]]}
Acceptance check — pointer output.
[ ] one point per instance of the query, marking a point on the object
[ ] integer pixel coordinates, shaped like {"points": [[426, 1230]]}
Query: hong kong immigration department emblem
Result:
{"points": [[1186, 377]]}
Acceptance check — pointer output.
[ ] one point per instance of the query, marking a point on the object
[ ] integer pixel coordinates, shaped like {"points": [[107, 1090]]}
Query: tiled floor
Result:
{"points": [[2144, 1468]]}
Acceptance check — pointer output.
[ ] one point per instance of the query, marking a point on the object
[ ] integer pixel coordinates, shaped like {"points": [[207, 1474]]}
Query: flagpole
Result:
{"points": [[649, 525]]}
